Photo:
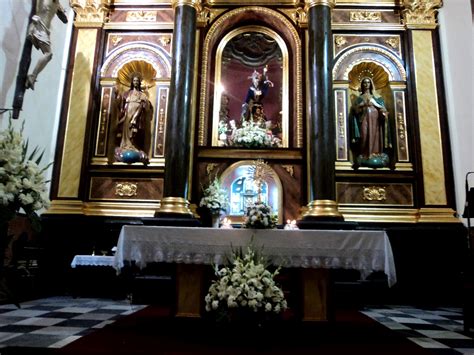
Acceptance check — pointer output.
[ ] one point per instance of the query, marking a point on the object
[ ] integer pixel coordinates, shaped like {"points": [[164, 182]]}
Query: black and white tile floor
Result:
{"points": [[439, 329], [57, 321]]}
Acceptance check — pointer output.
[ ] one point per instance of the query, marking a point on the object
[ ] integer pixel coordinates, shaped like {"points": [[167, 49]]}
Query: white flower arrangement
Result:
{"points": [[22, 184], [245, 286], [215, 198], [251, 135], [259, 216]]}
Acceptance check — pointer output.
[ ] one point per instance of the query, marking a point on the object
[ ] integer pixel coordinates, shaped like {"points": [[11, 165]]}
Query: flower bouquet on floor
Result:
{"points": [[245, 290], [22, 182]]}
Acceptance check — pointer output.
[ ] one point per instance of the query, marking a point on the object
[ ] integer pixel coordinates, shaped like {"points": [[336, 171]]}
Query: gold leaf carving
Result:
{"points": [[127, 189], [374, 193], [210, 167], [91, 12], [116, 40], [289, 169], [165, 40], [392, 42], [421, 13], [365, 16], [340, 41], [141, 16]]}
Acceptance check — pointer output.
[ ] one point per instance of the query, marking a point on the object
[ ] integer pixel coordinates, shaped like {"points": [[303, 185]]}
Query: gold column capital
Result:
{"points": [[310, 3], [90, 13], [421, 14], [194, 3]]}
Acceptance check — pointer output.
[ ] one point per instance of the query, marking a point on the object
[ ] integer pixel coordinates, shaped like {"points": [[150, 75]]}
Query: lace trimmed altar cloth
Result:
{"points": [[92, 260], [362, 250]]}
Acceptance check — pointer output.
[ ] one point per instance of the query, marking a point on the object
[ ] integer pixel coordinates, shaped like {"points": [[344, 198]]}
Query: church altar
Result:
{"points": [[311, 251]]}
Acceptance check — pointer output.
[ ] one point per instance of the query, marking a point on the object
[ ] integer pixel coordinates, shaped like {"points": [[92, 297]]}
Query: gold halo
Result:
{"points": [[370, 70], [139, 68]]}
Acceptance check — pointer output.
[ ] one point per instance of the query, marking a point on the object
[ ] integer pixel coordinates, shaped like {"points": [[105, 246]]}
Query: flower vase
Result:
{"points": [[215, 220]]}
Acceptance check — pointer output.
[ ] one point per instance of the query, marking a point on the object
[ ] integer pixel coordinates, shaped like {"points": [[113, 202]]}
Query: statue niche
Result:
{"points": [[132, 114], [250, 98], [370, 125]]}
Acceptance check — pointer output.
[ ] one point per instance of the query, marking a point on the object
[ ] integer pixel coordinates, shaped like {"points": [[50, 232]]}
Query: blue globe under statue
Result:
{"points": [[130, 156], [374, 161]]}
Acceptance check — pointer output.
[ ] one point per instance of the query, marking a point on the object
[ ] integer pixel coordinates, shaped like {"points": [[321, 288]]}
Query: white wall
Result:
{"points": [[41, 105], [456, 37]]}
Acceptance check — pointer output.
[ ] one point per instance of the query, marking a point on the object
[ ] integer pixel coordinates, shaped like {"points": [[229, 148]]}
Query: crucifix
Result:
{"points": [[38, 35]]}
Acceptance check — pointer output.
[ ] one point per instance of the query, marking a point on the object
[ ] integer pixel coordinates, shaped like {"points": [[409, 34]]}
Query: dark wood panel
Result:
{"points": [[129, 189], [388, 194]]}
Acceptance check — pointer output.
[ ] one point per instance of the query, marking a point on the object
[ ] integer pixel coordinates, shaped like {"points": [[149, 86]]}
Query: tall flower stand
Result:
{"points": [[6, 296]]}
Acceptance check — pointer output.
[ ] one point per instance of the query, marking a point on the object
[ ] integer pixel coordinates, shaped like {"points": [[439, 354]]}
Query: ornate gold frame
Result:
{"points": [[276, 179], [218, 76]]}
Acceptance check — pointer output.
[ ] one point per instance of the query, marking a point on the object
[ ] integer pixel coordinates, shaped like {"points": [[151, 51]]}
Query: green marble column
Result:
{"points": [[178, 126], [321, 125]]}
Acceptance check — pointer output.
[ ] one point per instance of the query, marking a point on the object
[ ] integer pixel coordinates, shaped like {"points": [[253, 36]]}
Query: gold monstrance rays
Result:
{"points": [[258, 173]]}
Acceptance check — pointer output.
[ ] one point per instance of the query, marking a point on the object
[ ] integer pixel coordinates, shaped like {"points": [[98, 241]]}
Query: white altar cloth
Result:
{"points": [[92, 260], [362, 250]]}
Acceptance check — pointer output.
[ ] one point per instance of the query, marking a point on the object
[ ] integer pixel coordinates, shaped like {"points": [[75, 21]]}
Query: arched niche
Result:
{"points": [[154, 64], [235, 180], [268, 22], [389, 77], [137, 51]]}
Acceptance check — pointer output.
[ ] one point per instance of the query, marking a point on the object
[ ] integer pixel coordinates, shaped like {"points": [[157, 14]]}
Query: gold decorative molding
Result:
{"points": [[210, 168], [141, 16], [193, 3], [437, 215], [206, 15], [216, 26], [290, 169], [311, 3], [371, 3], [127, 189], [90, 13], [374, 193], [65, 207], [299, 16], [115, 40], [421, 13], [365, 16], [393, 42], [397, 215], [251, 153], [394, 67], [120, 209], [340, 41]]}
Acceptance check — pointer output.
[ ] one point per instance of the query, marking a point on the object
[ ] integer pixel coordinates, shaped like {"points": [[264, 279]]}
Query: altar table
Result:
{"points": [[311, 251]]}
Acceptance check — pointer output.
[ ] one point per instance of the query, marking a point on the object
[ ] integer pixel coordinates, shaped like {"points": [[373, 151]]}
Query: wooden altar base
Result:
{"points": [[190, 292]]}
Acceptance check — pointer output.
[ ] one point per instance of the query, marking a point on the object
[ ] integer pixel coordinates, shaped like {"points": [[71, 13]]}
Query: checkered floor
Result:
{"points": [[437, 329], [57, 321]]}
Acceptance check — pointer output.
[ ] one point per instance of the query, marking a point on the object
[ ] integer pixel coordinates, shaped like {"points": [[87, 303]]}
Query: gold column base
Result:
{"points": [[322, 208], [175, 205]]}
